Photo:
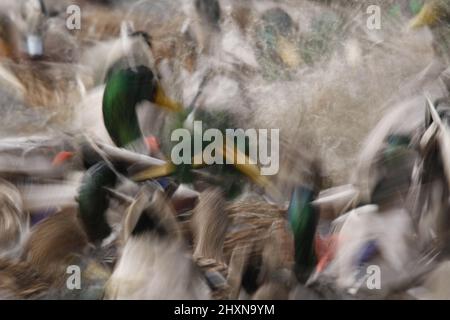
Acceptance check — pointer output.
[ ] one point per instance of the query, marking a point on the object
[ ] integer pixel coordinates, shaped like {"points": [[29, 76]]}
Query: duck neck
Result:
{"points": [[125, 89], [123, 128], [93, 201], [304, 220]]}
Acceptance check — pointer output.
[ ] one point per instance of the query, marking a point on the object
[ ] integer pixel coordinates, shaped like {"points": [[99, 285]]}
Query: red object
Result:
{"points": [[62, 157], [152, 144], [325, 251]]}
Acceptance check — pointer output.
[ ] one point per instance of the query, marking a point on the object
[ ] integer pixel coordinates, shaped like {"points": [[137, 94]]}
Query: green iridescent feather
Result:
{"points": [[125, 88], [93, 200], [303, 219], [226, 176]]}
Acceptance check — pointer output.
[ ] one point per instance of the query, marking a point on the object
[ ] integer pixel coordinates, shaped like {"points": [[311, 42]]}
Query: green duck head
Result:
{"points": [[93, 201], [275, 24], [277, 44], [277, 21], [231, 178], [395, 142], [394, 167], [125, 89], [303, 218]]}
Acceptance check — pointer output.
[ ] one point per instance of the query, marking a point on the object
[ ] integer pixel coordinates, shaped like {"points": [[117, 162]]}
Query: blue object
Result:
{"points": [[163, 182], [368, 251], [38, 216]]}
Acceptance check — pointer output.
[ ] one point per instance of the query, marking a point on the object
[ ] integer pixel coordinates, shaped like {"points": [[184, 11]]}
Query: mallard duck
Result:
{"points": [[54, 243], [406, 170], [404, 119], [57, 243], [275, 38], [103, 187], [124, 90], [37, 88], [131, 81], [403, 212], [40, 271], [202, 174], [303, 219], [93, 201], [102, 194], [131, 128], [265, 263], [153, 263], [38, 33]]}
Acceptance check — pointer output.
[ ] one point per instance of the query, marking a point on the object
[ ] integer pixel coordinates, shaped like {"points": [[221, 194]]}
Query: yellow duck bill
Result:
{"points": [[164, 101], [250, 170], [154, 172], [429, 15]]}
